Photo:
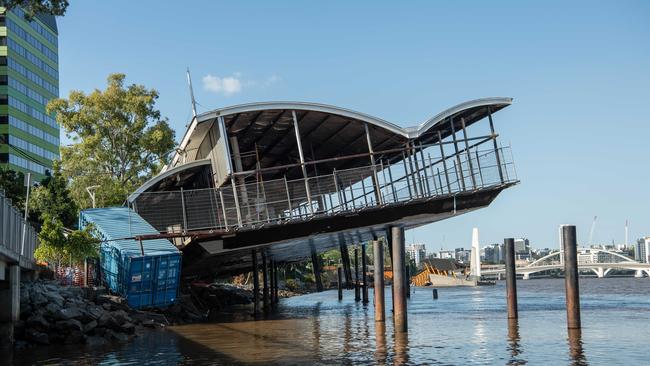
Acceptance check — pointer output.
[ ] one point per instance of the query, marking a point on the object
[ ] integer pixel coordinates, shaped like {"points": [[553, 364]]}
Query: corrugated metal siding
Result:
{"points": [[145, 281]]}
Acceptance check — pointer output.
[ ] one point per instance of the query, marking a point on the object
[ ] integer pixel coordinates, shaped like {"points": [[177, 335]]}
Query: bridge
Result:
{"points": [[599, 261], [17, 245]]}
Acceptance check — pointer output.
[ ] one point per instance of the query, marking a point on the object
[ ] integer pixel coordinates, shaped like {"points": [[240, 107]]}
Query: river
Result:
{"points": [[464, 326]]}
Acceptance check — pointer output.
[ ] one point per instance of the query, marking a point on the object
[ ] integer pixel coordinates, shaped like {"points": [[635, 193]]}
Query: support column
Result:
{"points": [[271, 282], [256, 286], [347, 271], [315, 263], [444, 163], [511, 278], [9, 305], [461, 178], [397, 243], [357, 294], [276, 298], [364, 276], [569, 244], [339, 271], [378, 275], [265, 281], [302, 159], [467, 152], [375, 180], [496, 147], [407, 280]]}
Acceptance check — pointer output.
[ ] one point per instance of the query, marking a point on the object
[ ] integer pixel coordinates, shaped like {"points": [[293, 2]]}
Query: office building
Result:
{"points": [[29, 79]]}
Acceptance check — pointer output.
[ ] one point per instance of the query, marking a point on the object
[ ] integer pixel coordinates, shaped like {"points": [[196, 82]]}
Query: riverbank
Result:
{"points": [[55, 314]]}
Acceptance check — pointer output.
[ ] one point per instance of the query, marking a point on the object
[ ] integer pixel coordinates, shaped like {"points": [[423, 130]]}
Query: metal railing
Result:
{"points": [[11, 231], [278, 201]]}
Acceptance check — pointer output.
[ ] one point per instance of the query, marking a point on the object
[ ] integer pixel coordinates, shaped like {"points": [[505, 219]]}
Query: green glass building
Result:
{"points": [[29, 79]]}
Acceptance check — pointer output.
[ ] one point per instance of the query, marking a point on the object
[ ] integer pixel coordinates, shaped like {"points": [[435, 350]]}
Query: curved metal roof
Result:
{"points": [[407, 133], [168, 173]]}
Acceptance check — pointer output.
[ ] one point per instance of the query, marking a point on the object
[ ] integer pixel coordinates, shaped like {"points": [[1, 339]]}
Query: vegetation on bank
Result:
{"points": [[119, 140]]}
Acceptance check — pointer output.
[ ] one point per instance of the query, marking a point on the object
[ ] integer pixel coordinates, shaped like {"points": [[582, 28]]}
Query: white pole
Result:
{"points": [[28, 184]]}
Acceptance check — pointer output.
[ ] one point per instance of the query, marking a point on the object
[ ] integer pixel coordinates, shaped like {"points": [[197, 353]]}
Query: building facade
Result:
{"points": [[642, 250], [29, 79], [417, 252]]}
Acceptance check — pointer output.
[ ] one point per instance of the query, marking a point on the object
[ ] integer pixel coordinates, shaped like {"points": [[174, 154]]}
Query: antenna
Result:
{"points": [[625, 233], [189, 82]]}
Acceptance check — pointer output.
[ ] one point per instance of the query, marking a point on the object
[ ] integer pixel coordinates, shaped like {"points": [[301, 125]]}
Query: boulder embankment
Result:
{"points": [[54, 314]]}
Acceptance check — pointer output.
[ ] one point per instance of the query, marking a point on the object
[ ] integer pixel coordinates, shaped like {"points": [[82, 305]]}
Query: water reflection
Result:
{"points": [[380, 343], [401, 348], [576, 351], [513, 343], [454, 330]]}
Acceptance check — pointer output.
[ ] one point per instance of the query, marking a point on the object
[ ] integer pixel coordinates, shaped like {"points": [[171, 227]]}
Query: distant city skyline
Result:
{"points": [[577, 125]]}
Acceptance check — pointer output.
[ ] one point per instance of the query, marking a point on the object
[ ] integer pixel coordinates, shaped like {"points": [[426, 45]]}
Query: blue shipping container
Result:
{"points": [[145, 280]]}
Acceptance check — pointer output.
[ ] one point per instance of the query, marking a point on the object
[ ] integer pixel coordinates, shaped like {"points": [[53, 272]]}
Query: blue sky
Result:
{"points": [[579, 74]]}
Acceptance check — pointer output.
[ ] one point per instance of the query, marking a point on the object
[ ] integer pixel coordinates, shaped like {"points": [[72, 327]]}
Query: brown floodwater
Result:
{"points": [[464, 326]]}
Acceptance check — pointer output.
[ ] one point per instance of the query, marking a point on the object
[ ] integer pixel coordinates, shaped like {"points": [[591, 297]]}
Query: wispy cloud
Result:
{"points": [[227, 85], [235, 83]]}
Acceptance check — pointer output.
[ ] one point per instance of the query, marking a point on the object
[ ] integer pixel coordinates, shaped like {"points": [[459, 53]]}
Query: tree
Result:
{"points": [[52, 198], [58, 245], [33, 7], [119, 140], [13, 184]]}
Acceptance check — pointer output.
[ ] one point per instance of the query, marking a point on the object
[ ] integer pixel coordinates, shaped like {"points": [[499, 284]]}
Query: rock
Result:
{"points": [[75, 337], [52, 309], [128, 328], [96, 341], [90, 326], [107, 321], [95, 312], [38, 298], [121, 317], [69, 313], [120, 337], [106, 306], [54, 297], [100, 331], [69, 325], [149, 323], [35, 336], [37, 321]]}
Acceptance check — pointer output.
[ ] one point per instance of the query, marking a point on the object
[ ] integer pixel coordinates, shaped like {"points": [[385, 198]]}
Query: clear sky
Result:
{"points": [[579, 74]]}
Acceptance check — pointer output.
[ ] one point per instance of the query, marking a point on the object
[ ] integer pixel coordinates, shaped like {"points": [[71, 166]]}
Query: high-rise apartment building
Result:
{"points": [[29, 79], [417, 252], [642, 250]]}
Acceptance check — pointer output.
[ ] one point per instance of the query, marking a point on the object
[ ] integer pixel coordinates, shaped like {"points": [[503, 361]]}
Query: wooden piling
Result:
{"points": [[378, 276], [256, 285], [569, 244], [357, 294], [315, 262], [364, 276], [339, 271], [399, 268], [265, 281], [511, 278]]}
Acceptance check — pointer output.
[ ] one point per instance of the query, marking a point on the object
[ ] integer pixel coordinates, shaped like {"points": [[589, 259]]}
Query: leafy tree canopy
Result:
{"points": [[32, 7], [52, 198], [119, 140], [13, 184]]}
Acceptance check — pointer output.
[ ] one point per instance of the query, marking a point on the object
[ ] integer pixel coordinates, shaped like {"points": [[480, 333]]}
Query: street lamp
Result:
{"points": [[91, 193]]}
